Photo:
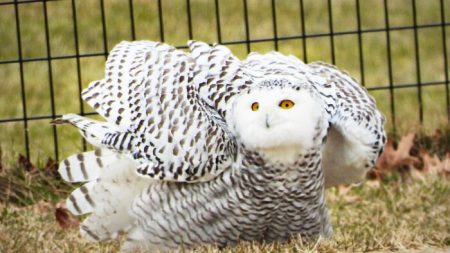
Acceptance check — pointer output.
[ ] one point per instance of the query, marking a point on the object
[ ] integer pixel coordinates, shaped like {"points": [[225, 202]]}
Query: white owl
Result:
{"points": [[200, 148]]}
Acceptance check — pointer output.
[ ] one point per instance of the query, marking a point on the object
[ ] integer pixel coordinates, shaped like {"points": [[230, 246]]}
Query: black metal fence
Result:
{"points": [[373, 39]]}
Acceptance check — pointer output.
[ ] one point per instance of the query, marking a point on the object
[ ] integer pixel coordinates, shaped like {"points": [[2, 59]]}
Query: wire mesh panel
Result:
{"points": [[51, 50]]}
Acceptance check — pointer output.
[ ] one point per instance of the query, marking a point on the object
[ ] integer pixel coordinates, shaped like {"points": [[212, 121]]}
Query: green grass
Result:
{"points": [[65, 80]]}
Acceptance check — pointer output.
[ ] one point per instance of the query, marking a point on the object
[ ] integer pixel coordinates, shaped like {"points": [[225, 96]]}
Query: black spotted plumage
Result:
{"points": [[170, 168]]}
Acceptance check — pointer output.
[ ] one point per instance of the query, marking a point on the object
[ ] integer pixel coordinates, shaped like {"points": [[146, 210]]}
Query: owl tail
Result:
{"points": [[110, 183]]}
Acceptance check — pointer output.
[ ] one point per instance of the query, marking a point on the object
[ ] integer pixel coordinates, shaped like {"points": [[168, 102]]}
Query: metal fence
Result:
{"points": [[331, 13]]}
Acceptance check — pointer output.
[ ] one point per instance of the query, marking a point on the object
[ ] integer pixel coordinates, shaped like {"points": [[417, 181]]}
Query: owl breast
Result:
{"points": [[250, 203], [287, 199]]}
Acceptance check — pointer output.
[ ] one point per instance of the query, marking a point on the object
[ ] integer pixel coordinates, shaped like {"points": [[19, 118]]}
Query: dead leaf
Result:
{"points": [[392, 158], [437, 135], [64, 218], [446, 163], [23, 162], [417, 174], [51, 168], [433, 165]]}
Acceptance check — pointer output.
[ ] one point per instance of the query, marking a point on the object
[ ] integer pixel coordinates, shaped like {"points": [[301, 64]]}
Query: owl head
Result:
{"points": [[278, 119]]}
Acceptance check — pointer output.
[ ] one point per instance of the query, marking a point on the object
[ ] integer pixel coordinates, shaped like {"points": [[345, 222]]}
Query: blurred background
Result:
{"points": [[51, 50]]}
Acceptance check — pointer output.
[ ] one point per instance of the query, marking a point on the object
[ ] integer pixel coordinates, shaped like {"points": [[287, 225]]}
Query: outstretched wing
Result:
{"points": [[225, 75], [150, 100], [357, 136], [156, 123]]}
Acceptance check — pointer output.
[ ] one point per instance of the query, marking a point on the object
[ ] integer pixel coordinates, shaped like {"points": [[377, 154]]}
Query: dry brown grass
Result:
{"points": [[390, 216], [406, 208]]}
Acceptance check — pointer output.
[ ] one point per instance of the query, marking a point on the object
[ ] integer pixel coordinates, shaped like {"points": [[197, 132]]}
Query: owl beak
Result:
{"points": [[267, 121]]}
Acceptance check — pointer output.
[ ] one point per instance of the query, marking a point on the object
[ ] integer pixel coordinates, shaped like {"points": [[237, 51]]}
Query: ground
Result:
{"points": [[404, 206], [375, 217]]}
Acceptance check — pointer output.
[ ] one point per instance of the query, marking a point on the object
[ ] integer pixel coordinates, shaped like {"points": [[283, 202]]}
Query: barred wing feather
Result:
{"points": [[156, 125], [149, 95], [357, 137]]}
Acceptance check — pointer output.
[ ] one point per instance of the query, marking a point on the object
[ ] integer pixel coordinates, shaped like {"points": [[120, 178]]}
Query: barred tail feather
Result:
{"points": [[80, 200], [86, 166], [111, 196], [110, 176]]}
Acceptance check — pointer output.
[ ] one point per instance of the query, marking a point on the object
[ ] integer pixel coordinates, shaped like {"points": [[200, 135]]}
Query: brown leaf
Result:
{"points": [[64, 218], [437, 135], [433, 165], [403, 148], [395, 158], [446, 163], [417, 174], [23, 162], [385, 160], [51, 168]]}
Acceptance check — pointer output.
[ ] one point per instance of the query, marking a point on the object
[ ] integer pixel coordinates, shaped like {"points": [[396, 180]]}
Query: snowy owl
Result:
{"points": [[200, 147]]}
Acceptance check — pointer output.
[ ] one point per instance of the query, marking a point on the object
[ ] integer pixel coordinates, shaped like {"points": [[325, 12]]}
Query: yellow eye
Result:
{"points": [[255, 106], [286, 104]]}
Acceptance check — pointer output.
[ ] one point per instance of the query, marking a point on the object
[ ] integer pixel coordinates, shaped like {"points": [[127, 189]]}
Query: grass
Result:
{"points": [[65, 81], [395, 212], [387, 218]]}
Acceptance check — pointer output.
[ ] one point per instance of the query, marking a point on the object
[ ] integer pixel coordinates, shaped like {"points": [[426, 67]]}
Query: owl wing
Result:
{"points": [[226, 76], [154, 113], [357, 137], [155, 123]]}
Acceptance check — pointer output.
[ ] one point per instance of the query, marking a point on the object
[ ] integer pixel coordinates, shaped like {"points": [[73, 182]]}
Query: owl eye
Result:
{"points": [[286, 104], [255, 106]]}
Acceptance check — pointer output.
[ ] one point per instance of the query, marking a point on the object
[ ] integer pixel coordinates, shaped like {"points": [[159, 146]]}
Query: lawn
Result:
{"points": [[391, 213], [388, 216]]}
